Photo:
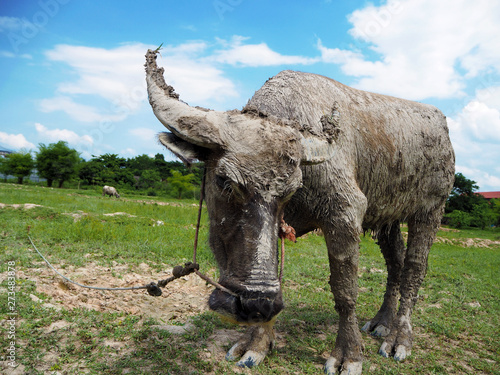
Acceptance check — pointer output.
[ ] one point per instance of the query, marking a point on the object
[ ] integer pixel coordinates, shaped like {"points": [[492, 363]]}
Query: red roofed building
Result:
{"points": [[490, 194]]}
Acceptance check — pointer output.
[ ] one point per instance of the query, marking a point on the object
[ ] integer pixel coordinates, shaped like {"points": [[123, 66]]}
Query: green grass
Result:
{"points": [[456, 320]]}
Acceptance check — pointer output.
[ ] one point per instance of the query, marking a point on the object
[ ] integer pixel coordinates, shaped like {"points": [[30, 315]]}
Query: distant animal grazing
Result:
{"points": [[321, 155], [110, 190]]}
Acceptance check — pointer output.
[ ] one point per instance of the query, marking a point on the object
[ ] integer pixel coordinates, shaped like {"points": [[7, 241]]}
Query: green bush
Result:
{"points": [[459, 219], [482, 216]]}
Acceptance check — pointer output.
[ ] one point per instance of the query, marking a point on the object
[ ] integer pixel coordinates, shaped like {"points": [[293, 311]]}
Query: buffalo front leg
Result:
{"points": [[343, 251], [393, 248], [421, 233], [253, 347]]}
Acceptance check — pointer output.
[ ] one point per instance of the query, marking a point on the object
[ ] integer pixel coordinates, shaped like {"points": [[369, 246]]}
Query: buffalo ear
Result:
{"points": [[316, 150], [185, 151]]}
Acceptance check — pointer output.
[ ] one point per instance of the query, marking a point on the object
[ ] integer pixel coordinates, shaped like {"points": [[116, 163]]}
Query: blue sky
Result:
{"points": [[73, 70]]}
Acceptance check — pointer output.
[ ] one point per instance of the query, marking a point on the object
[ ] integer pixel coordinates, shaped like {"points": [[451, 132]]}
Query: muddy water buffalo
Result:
{"points": [[110, 190], [325, 156]]}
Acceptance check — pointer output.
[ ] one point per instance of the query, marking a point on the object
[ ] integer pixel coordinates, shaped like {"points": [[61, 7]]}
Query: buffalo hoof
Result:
{"points": [[334, 366], [400, 351], [398, 342], [253, 347], [376, 330]]}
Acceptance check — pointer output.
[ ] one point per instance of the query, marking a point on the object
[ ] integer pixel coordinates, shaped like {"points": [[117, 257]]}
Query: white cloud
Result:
{"points": [[475, 134], [144, 134], [15, 141], [420, 44], [117, 75], [482, 122], [489, 96], [484, 180], [12, 24], [12, 55], [237, 53], [8, 54], [79, 112], [56, 135], [128, 152], [197, 81], [338, 56], [479, 120]]}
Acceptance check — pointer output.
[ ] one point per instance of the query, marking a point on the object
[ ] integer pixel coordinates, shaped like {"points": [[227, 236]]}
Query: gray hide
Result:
{"points": [[325, 156], [110, 190]]}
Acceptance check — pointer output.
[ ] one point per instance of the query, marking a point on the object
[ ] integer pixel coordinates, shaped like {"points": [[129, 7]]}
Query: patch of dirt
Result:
{"points": [[76, 215], [60, 324], [468, 242], [463, 242], [181, 298], [159, 203], [25, 206], [443, 229], [119, 214], [79, 214]]}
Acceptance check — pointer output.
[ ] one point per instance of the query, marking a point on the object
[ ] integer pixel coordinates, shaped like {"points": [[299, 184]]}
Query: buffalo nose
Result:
{"points": [[248, 307]]}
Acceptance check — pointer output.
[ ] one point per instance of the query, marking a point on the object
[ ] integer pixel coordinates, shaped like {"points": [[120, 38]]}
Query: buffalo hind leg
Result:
{"points": [[253, 347], [343, 251], [393, 248], [421, 233]]}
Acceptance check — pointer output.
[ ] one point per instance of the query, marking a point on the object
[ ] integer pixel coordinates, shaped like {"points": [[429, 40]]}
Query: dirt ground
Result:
{"points": [[181, 298]]}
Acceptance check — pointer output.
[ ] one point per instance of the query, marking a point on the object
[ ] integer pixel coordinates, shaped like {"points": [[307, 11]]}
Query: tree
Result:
{"points": [[482, 216], [463, 196], [466, 208], [150, 178], [161, 165], [106, 169], [140, 164], [57, 162], [180, 183], [19, 164], [90, 172], [495, 207], [4, 167]]}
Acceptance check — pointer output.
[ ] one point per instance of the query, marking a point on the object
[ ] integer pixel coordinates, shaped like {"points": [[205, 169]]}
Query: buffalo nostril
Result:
{"points": [[250, 308]]}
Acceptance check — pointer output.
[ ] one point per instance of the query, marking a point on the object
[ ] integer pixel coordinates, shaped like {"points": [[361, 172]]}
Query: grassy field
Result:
{"points": [[456, 321]]}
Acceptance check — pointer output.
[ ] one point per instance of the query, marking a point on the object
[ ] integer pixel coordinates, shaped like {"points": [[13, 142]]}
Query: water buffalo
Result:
{"points": [[322, 155], [110, 190]]}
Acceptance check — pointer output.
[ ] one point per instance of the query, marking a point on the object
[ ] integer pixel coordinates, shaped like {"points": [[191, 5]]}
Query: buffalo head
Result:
{"points": [[252, 166]]}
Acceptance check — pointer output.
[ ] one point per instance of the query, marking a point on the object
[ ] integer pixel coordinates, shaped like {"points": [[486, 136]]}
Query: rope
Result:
{"points": [[195, 245], [178, 271], [200, 206], [286, 232], [82, 285]]}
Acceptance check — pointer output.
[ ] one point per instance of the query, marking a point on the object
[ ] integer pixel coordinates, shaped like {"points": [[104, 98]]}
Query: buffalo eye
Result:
{"points": [[223, 182], [230, 187]]}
